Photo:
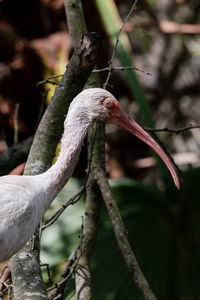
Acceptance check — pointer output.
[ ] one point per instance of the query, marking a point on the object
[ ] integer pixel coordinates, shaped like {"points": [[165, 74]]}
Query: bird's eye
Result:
{"points": [[107, 103]]}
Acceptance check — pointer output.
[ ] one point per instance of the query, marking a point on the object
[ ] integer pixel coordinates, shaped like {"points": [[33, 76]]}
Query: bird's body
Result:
{"points": [[21, 208], [24, 199]]}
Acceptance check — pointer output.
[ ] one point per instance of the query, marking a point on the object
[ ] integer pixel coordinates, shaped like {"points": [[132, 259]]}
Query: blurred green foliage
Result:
{"points": [[163, 228]]}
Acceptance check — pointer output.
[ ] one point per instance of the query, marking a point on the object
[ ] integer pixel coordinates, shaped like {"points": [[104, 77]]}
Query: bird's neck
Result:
{"points": [[56, 177]]}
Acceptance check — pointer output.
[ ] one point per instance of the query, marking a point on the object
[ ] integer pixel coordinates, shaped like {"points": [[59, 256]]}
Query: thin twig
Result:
{"points": [[74, 199], [117, 41], [110, 69], [121, 69], [7, 291], [172, 130], [48, 79], [48, 272], [72, 262]]}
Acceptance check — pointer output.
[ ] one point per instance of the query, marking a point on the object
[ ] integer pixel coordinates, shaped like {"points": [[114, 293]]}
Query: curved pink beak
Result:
{"points": [[123, 120]]}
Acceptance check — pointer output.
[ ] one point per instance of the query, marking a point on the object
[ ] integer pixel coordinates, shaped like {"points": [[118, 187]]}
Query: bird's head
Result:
{"points": [[96, 103]]}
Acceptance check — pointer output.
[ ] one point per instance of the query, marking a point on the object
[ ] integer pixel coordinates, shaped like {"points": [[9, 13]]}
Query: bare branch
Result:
{"points": [[48, 79], [71, 201], [48, 272], [121, 236], [83, 273], [117, 41], [173, 130], [112, 208], [121, 69]]}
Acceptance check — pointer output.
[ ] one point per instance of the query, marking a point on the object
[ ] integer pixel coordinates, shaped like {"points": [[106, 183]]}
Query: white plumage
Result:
{"points": [[24, 199]]}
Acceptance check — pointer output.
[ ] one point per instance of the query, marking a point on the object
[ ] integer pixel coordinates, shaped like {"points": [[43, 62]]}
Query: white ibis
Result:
{"points": [[24, 199]]}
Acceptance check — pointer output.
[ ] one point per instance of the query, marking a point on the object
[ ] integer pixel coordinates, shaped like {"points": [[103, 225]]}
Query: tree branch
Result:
{"points": [[48, 79], [121, 69], [121, 236], [98, 173], [116, 44], [83, 278], [83, 273], [57, 214], [172, 130]]}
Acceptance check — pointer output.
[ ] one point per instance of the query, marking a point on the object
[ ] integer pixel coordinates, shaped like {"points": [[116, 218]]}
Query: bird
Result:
{"points": [[25, 199]]}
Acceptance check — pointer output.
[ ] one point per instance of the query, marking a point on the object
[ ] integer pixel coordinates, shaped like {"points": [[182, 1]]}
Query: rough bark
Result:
{"points": [[121, 236], [75, 19], [25, 265], [26, 272]]}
